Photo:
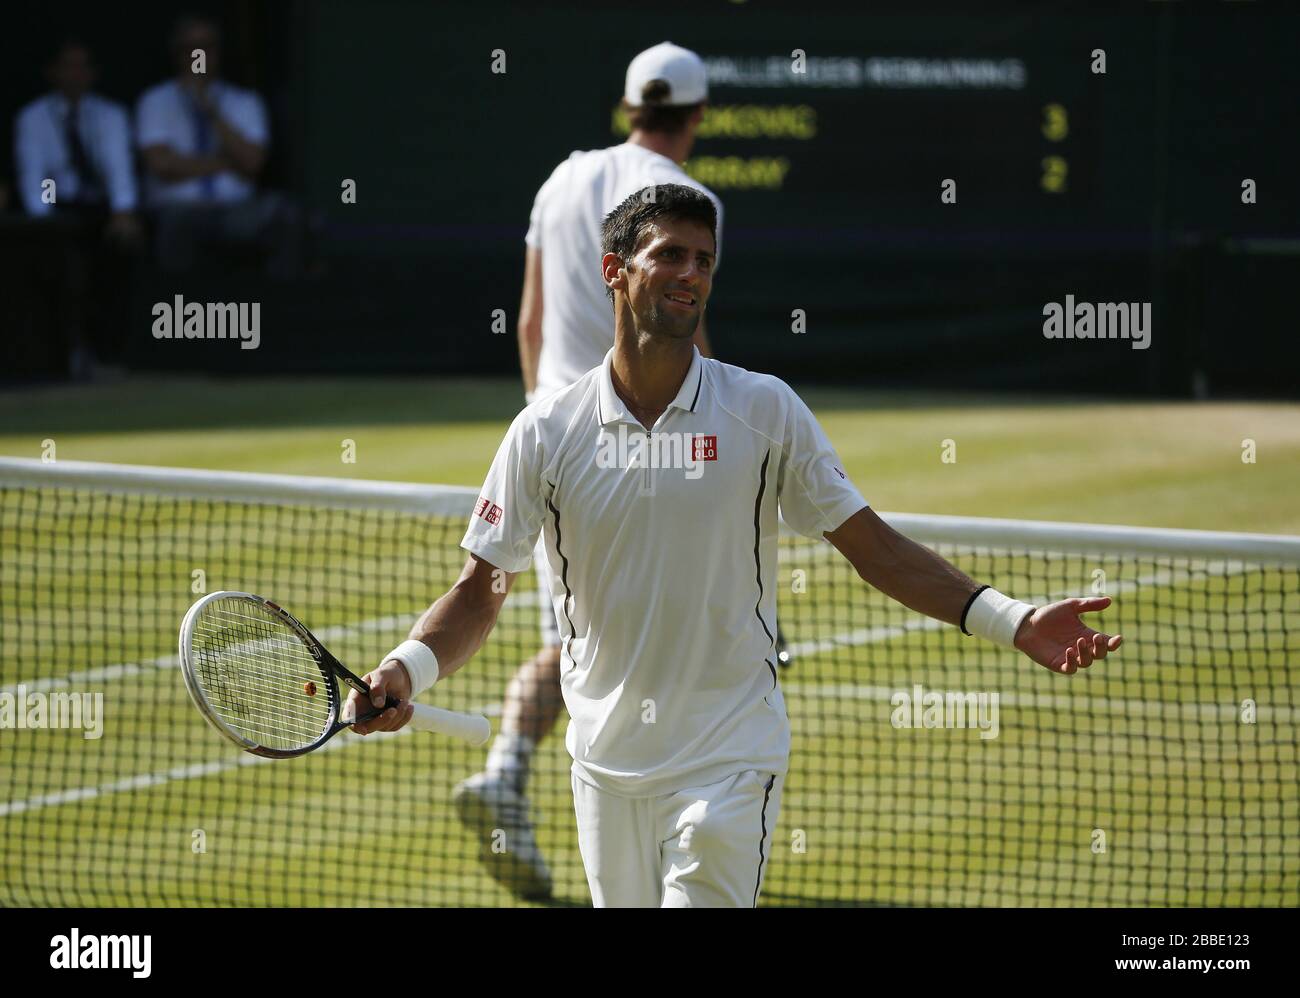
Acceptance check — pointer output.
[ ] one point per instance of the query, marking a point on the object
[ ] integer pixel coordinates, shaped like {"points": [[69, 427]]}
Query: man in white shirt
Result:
{"points": [[565, 329], [72, 152], [656, 480], [79, 140], [204, 145]]}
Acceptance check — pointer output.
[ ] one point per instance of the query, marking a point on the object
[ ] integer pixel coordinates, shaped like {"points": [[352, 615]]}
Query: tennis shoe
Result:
{"points": [[497, 814]]}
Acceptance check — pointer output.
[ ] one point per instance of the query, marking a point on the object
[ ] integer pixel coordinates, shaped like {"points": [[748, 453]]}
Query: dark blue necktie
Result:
{"points": [[88, 181], [203, 145]]}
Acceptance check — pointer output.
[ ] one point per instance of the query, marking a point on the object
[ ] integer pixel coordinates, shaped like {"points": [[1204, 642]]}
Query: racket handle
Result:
{"points": [[473, 728]]}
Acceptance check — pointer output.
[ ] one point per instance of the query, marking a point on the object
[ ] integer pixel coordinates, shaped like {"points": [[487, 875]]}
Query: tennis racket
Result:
{"points": [[263, 680]]}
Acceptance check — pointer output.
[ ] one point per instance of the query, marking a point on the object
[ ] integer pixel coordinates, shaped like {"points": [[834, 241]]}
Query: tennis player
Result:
{"points": [[565, 329], [667, 572]]}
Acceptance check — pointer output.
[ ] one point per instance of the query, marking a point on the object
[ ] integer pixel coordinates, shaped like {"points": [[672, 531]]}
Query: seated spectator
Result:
{"points": [[203, 142], [72, 151]]}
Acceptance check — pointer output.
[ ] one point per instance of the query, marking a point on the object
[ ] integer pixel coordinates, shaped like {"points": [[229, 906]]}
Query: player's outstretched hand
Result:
{"points": [[390, 679], [1055, 637]]}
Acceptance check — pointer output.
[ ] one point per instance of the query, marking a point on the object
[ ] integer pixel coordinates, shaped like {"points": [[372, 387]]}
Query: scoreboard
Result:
{"points": [[880, 142], [917, 185]]}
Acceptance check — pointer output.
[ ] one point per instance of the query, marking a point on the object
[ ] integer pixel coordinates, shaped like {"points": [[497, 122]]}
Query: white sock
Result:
{"points": [[510, 757]]}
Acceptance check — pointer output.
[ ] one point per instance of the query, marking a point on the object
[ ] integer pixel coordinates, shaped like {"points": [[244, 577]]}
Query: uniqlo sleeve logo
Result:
{"points": [[705, 449], [488, 510]]}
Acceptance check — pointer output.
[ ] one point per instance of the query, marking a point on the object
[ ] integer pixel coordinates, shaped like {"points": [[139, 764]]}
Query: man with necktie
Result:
{"points": [[72, 151], [203, 142]]}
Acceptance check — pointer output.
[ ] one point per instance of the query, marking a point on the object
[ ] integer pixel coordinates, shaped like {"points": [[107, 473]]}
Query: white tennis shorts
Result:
{"points": [[705, 847]]}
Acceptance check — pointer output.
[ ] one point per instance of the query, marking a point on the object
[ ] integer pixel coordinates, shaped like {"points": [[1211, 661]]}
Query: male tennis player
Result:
{"points": [[667, 571], [565, 329]]}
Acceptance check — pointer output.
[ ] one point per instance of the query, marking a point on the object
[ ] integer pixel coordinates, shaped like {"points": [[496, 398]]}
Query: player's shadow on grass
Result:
{"points": [[563, 903], [770, 900]]}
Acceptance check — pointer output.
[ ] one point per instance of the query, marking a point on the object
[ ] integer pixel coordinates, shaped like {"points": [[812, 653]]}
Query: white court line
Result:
{"points": [[130, 783], [191, 772], [1164, 710], [1204, 713], [336, 632], [1201, 712]]}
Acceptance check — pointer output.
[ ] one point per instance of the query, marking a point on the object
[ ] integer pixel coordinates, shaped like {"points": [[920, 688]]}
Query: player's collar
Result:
{"points": [[612, 409]]}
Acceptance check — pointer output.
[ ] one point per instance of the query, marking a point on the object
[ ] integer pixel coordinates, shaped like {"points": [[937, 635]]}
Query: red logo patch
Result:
{"points": [[705, 449], [488, 510]]}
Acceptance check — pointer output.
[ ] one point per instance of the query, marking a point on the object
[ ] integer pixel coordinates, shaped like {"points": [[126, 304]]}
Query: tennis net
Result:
{"points": [[1165, 775]]}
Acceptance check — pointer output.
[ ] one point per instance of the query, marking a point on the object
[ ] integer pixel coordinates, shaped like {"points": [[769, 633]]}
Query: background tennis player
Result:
{"points": [[667, 597]]}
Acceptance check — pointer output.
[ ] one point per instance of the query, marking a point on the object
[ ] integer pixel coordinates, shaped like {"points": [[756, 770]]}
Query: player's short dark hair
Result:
{"points": [[624, 227], [654, 115]]}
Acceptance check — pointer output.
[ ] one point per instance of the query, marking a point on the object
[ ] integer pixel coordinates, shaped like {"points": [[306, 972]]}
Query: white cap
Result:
{"points": [[680, 68]]}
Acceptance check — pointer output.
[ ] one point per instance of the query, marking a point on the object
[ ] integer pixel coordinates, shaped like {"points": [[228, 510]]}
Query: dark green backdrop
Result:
{"points": [[1126, 189]]}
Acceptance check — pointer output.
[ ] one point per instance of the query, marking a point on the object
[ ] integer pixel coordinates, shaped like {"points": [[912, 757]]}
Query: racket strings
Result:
{"points": [[259, 677]]}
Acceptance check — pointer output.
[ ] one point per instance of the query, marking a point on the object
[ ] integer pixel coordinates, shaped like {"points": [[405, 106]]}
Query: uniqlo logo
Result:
{"points": [[705, 449], [488, 510]]}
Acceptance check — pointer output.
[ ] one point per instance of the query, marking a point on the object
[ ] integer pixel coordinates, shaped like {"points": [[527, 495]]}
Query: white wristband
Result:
{"points": [[421, 664], [996, 616]]}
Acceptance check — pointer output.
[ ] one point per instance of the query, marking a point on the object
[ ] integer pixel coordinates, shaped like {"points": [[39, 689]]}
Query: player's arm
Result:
{"points": [[454, 627], [502, 531], [530, 319], [902, 569], [1052, 635]]}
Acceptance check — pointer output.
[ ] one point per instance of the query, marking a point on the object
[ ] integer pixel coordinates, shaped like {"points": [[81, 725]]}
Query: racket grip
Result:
{"points": [[473, 728]]}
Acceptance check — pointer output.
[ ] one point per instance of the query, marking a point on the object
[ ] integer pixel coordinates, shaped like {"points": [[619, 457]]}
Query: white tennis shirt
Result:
{"points": [[577, 317], [664, 577]]}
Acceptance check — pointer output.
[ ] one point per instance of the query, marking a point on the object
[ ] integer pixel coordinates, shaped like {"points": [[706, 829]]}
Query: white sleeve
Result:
{"points": [[118, 163], [814, 491], [30, 160], [509, 511], [533, 238]]}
